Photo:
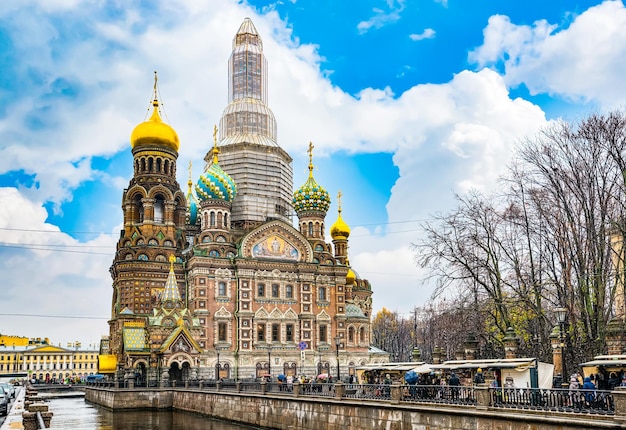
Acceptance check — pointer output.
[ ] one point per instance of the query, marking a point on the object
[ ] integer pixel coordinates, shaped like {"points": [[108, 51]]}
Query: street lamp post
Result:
{"points": [[337, 345], [561, 315], [217, 367], [269, 360]]}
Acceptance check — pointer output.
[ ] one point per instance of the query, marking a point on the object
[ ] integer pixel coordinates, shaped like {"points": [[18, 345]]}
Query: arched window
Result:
{"points": [[159, 209], [310, 229], [212, 219], [137, 209], [221, 332], [221, 288], [225, 221], [361, 335], [321, 293], [289, 292], [351, 334], [323, 337]]}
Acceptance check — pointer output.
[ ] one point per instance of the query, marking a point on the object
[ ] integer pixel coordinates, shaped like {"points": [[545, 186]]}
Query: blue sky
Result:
{"points": [[407, 103]]}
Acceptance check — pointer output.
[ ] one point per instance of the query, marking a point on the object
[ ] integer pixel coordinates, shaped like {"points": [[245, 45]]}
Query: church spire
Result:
{"points": [[247, 92], [171, 292]]}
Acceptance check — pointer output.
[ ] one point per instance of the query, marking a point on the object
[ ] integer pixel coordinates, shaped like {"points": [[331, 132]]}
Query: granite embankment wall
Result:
{"points": [[280, 412]]}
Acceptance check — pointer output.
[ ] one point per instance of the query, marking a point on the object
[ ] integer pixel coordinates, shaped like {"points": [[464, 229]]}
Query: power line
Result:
{"points": [[35, 248], [111, 234], [53, 316], [54, 245], [54, 231]]}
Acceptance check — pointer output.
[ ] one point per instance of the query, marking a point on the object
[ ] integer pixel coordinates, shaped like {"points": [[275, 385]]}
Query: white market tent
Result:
{"points": [[516, 368]]}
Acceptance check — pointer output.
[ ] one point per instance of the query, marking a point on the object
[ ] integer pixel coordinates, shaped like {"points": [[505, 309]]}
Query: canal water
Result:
{"points": [[76, 414]]}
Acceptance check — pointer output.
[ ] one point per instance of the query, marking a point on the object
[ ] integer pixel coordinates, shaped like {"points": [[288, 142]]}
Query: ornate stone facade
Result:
{"points": [[214, 284]]}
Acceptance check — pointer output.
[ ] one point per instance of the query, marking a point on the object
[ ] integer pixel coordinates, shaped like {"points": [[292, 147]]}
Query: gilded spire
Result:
{"points": [[311, 196], [154, 130], [215, 149], [310, 151], [189, 183], [192, 201], [339, 195], [155, 99], [339, 230]]}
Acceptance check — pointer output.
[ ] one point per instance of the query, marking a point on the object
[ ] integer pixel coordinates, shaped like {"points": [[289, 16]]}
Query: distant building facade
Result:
{"points": [[48, 363], [8, 340], [217, 281]]}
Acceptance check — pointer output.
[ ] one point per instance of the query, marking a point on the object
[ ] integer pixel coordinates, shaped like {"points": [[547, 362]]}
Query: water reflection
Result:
{"points": [[76, 414]]}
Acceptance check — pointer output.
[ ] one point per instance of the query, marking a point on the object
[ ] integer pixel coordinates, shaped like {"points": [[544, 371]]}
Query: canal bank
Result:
{"points": [[283, 410], [72, 412]]}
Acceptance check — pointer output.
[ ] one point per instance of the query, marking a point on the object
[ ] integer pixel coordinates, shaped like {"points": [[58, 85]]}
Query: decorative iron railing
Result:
{"points": [[555, 399], [317, 389], [460, 395]]}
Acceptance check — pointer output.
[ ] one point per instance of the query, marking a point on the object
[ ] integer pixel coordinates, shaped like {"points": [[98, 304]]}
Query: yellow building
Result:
{"points": [[48, 363], [6, 340]]}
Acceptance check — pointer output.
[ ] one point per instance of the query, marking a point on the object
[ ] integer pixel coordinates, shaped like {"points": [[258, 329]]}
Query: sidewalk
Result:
{"points": [[14, 418]]}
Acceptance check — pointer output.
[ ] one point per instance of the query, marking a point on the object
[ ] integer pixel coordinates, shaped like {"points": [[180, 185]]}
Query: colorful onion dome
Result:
{"points": [[154, 131], [339, 230], [215, 184], [192, 201], [311, 196]]}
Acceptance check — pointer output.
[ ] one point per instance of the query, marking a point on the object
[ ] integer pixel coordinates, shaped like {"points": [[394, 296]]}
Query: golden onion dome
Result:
{"points": [[350, 277], [340, 230], [154, 132]]}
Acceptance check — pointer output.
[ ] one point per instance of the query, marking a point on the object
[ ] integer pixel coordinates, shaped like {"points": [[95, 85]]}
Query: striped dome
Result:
{"points": [[311, 197], [215, 184]]}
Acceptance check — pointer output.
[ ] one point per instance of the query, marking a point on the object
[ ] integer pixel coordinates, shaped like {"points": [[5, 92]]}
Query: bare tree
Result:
{"points": [[546, 240]]}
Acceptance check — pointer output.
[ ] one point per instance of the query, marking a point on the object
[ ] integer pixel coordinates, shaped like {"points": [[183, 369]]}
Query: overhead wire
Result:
{"points": [[84, 317]]}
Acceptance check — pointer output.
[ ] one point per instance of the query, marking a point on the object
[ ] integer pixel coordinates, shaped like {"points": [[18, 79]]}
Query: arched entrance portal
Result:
{"points": [[179, 374], [141, 374]]}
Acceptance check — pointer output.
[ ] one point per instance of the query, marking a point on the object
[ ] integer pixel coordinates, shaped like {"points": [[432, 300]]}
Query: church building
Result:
{"points": [[233, 278]]}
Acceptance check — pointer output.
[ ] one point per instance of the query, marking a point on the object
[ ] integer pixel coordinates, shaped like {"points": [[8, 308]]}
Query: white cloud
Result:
{"points": [[444, 138], [428, 33], [382, 17], [583, 62], [50, 281]]}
